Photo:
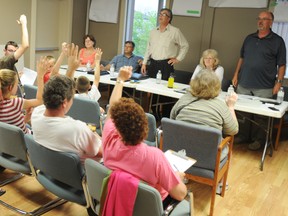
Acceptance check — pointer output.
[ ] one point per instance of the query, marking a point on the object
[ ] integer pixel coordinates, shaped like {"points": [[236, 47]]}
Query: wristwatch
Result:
{"points": [[119, 81], [279, 81]]}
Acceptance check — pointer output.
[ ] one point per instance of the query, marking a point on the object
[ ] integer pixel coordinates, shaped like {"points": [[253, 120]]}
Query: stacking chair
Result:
{"points": [[13, 156], [205, 144], [30, 91], [151, 139], [148, 200], [61, 173], [87, 111]]}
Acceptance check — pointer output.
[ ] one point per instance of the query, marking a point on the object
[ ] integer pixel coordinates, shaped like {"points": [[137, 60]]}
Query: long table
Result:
{"points": [[245, 103]]}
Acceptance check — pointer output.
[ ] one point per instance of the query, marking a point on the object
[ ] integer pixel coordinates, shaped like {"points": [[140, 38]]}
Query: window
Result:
{"points": [[141, 19], [281, 28]]}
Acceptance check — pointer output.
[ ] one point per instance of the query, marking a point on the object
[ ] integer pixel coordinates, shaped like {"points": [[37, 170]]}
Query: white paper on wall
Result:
{"points": [[187, 7], [104, 11], [239, 3], [281, 11]]}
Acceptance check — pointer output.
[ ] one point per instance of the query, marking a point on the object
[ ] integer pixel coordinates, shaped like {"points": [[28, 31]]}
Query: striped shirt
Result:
{"points": [[11, 113], [213, 112]]}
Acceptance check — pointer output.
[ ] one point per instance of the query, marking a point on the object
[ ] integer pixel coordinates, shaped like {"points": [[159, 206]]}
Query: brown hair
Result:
{"points": [[130, 121], [82, 84]]}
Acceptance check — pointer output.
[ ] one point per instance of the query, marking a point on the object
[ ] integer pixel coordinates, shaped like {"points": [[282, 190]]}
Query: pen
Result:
{"points": [[176, 167]]}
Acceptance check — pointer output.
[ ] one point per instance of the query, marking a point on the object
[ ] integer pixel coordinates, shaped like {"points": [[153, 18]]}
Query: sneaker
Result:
{"points": [[256, 145], [219, 188]]}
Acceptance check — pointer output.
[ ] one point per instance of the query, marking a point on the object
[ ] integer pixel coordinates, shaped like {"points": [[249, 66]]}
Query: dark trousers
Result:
{"points": [[155, 65], [166, 69]]}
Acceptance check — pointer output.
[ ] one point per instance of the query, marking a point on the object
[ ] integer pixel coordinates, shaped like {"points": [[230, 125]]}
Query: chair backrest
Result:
{"points": [[87, 111], [151, 138], [182, 76], [30, 91], [200, 142], [148, 200], [64, 167], [12, 141]]}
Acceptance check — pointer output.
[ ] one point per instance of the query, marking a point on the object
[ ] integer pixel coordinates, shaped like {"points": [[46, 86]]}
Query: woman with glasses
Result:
{"points": [[210, 60]]}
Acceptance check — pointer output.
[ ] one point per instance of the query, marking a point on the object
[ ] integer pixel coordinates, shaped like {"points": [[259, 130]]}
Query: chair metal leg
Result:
{"points": [[39, 211], [12, 179]]}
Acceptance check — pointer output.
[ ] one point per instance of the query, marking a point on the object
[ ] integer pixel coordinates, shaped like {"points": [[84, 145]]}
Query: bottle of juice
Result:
{"points": [[171, 81]]}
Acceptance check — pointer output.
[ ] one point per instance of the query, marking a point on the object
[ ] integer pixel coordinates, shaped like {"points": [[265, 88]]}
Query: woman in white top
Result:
{"points": [[210, 60]]}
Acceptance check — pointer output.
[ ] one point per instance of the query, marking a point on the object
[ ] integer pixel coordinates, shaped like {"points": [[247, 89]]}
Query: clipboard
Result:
{"points": [[179, 162]]}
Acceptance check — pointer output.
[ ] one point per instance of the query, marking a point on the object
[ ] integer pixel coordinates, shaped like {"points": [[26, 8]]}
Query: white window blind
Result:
{"points": [[281, 28]]}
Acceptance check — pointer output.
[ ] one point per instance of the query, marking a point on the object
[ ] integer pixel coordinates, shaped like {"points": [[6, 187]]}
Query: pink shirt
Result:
{"points": [[143, 161], [84, 59]]}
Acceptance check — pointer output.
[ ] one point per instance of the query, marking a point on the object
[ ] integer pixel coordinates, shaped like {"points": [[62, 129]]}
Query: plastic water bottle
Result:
{"points": [[159, 77], [88, 66], [171, 81], [280, 95], [230, 90], [112, 70]]}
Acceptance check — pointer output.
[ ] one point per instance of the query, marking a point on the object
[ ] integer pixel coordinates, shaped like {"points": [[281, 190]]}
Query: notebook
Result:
{"points": [[178, 162]]}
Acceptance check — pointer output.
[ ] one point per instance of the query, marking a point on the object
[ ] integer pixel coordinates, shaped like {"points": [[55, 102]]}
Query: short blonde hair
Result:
{"points": [[7, 78], [206, 85], [214, 54], [82, 84]]}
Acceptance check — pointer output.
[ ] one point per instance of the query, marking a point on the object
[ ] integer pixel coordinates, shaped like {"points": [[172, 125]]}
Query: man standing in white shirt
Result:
{"points": [[166, 46]]}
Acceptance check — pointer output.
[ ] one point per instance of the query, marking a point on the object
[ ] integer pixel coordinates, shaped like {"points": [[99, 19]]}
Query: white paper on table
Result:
{"points": [[28, 77], [178, 162]]}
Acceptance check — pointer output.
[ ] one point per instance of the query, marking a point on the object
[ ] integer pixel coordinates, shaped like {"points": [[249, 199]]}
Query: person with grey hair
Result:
{"points": [[166, 47], [260, 72], [202, 106]]}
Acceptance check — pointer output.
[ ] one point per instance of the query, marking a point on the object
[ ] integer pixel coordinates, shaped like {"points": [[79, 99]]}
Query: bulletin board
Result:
{"points": [[187, 7]]}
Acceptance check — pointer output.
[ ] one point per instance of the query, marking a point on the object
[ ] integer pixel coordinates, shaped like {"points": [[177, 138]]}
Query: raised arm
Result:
{"points": [[25, 38], [124, 74], [64, 52], [97, 67], [42, 66], [73, 60]]}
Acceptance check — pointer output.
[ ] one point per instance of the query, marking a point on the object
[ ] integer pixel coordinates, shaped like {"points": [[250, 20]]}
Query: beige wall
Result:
{"points": [[10, 11], [220, 28], [223, 29]]}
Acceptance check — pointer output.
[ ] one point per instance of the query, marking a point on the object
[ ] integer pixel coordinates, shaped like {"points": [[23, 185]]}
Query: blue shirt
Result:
{"points": [[121, 60]]}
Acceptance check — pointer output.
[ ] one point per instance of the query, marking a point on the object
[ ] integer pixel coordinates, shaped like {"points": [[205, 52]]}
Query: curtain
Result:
{"points": [[281, 28]]}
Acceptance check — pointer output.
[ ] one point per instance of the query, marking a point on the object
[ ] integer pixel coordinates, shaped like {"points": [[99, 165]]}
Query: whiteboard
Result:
{"points": [[187, 7], [239, 3], [104, 11]]}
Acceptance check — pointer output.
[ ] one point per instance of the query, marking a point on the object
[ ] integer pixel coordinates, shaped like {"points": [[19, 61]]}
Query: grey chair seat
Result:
{"points": [[148, 200], [61, 173], [203, 143]]}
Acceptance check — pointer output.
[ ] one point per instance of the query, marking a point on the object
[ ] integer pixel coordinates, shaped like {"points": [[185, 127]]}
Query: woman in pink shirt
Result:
{"points": [[123, 148], [87, 54]]}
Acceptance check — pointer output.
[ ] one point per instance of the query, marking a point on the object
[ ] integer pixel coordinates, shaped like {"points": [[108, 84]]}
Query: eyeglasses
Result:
{"points": [[263, 19], [9, 50], [164, 14]]}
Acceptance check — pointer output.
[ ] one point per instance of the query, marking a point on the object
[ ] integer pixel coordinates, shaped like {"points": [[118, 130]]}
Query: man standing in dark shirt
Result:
{"points": [[260, 71]]}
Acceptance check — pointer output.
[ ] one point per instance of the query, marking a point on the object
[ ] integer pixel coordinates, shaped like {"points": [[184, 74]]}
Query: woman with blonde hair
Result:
{"points": [[202, 106], [210, 60], [11, 107]]}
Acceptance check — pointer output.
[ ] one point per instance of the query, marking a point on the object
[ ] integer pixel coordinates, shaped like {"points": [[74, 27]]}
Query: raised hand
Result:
{"points": [[125, 73], [22, 20], [98, 54]]}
